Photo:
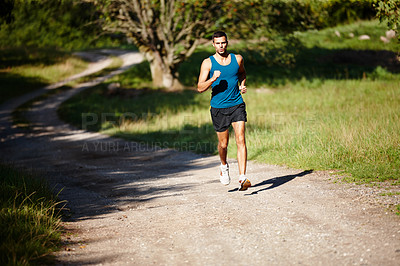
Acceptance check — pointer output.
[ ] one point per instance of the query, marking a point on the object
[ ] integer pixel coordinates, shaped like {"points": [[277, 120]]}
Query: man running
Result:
{"points": [[225, 74]]}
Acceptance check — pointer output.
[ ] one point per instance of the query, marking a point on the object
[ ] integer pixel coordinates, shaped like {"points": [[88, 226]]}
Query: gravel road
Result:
{"points": [[137, 205]]}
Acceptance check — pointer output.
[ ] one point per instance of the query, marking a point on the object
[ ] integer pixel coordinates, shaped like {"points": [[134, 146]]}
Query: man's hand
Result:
{"points": [[242, 89], [216, 75]]}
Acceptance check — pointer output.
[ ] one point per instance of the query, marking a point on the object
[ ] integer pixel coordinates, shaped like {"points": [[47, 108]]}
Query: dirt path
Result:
{"points": [[130, 204]]}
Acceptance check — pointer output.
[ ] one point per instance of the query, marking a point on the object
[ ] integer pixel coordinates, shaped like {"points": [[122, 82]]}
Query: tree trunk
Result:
{"points": [[164, 77], [163, 74]]}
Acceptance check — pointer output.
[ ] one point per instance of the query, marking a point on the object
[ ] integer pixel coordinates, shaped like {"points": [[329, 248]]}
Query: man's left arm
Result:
{"points": [[241, 74]]}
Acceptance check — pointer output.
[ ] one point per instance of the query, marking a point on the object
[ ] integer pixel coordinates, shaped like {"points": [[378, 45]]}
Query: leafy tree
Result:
{"points": [[165, 31], [389, 10]]}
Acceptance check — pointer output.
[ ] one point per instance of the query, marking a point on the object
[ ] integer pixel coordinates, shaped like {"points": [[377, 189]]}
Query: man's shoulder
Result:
{"points": [[238, 57], [206, 62]]}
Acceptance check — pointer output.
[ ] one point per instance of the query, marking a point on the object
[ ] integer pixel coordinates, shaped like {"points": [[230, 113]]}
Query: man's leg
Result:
{"points": [[223, 139], [239, 128]]}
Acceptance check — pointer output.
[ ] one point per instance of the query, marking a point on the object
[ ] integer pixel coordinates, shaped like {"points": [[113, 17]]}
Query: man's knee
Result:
{"points": [[240, 139], [241, 144], [223, 145]]}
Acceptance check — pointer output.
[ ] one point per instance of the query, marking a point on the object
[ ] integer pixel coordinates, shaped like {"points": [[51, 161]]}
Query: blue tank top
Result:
{"points": [[225, 90]]}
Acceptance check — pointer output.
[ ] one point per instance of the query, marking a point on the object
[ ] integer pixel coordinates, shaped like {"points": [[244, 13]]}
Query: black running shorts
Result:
{"points": [[222, 118]]}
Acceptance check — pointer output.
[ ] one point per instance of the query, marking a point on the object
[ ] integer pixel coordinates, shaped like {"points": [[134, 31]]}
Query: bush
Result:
{"points": [[277, 51]]}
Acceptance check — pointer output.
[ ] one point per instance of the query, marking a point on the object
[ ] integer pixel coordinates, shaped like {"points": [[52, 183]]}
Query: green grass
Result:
{"points": [[390, 194], [138, 77], [350, 125], [30, 220], [23, 70]]}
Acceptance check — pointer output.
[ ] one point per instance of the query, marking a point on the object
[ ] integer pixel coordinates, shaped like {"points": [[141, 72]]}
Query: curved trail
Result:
{"points": [[131, 204]]}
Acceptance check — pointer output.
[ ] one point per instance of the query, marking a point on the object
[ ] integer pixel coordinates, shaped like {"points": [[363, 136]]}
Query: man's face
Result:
{"points": [[220, 44]]}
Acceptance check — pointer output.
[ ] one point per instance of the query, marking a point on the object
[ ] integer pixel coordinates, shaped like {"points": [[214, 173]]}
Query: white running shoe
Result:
{"points": [[244, 183], [224, 175]]}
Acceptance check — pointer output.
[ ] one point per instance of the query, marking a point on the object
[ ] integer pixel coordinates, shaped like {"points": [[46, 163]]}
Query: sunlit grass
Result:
{"points": [[347, 125], [51, 73]]}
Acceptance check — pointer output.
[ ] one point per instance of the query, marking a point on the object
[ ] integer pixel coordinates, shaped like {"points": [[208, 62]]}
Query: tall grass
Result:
{"points": [[347, 125], [30, 220]]}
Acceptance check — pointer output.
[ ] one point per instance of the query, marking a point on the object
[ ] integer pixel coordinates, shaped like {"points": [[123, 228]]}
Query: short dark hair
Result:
{"points": [[219, 34]]}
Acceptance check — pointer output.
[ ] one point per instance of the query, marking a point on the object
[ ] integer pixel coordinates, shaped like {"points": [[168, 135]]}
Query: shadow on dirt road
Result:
{"points": [[277, 181]]}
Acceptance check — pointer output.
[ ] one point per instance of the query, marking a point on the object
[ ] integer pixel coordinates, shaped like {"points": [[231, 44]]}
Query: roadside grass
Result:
{"points": [[138, 77], [30, 219], [350, 125], [318, 114], [25, 69]]}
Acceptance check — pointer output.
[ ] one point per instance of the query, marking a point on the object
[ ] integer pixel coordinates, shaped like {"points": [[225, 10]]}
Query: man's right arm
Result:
{"points": [[203, 84]]}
